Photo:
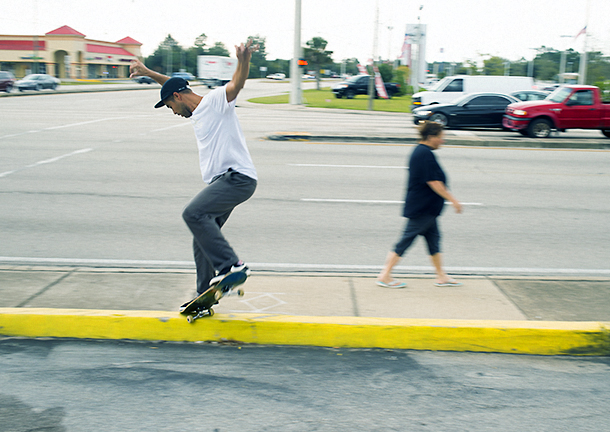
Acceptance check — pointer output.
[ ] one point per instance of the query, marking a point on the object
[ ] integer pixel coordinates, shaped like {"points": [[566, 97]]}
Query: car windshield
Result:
{"points": [[559, 95], [353, 79], [438, 84], [461, 99]]}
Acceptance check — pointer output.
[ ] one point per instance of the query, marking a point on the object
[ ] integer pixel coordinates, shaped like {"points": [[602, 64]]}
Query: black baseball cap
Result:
{"points": [[171, 86]]}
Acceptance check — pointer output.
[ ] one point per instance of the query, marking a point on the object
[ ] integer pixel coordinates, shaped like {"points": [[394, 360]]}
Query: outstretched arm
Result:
{"points": [[440, 188], [137, 68], [244, 53]]}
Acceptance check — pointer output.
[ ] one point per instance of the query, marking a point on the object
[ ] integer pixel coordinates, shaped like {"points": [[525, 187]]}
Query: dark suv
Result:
{"points": [[7, 80]]}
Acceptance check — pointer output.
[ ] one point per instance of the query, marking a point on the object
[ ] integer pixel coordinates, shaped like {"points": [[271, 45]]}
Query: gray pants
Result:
{"points": [[206, 214]]}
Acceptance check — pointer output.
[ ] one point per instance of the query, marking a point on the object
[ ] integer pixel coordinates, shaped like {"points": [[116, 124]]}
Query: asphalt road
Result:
{"points": [[105, 176], [119, 386]]}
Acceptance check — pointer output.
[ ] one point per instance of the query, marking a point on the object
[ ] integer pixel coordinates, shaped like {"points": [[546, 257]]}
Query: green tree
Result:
{"points": [[494, 66], [219, 49], [401, 77], [279, 66], [386, 70], [317, 56], [351, 66], [259, 58], [167, 57]]}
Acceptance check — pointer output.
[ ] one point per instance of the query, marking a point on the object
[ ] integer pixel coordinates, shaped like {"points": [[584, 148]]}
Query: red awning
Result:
{"points": [[102, 49], [21, 45]]}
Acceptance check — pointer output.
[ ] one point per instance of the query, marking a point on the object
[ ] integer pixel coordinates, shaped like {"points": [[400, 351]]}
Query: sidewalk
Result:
{"points": [[488, 314]]}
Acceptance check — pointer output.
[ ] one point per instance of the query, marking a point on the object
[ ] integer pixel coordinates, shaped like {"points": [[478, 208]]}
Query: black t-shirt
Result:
{"points": [[421, 199]]}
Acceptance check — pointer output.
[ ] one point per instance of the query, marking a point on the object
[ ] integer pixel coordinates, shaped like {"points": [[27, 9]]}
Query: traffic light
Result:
{"points": [[302, 62]]}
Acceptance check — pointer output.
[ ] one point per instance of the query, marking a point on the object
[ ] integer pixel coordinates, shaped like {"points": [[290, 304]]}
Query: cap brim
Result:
{"points": [[160, 104]]}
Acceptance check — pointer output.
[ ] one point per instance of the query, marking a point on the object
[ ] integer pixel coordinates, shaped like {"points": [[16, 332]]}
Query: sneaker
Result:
{"points": [[239, 267]]}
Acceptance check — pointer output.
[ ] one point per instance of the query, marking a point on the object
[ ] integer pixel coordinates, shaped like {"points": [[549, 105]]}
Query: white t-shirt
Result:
{"points": [[220, 140]]}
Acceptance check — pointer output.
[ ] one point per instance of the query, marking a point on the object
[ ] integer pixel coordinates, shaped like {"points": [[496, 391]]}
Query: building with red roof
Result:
{"points": [[67, 53]]}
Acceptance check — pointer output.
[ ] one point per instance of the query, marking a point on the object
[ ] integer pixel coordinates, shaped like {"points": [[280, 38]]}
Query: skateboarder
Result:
{"points": [[225, 162]]}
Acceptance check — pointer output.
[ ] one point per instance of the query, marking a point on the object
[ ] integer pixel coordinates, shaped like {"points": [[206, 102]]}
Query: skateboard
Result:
{"points": [[202, 305]]}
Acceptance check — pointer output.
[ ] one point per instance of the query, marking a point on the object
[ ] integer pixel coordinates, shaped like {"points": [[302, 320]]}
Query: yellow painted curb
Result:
{"points": [[517, 337]]}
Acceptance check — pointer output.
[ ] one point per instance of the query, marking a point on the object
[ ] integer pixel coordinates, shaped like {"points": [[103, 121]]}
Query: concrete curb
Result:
{"points": [[470, 141], [515, 337]]}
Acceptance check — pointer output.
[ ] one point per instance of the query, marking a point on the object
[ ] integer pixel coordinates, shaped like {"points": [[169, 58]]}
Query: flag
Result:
{"points": [[379, 84], [583, 31], [362, 69], [405, 46]]}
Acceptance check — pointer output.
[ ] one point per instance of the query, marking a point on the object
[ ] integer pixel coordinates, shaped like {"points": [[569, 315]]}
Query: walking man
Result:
{"points": [[224, 159]]}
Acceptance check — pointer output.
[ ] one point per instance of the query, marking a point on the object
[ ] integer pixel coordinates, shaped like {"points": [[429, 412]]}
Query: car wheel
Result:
{"points": [[37, 87], [606, 132], [338, 96], [350, 94], [9, 88], [540, 128], [439, 118]]}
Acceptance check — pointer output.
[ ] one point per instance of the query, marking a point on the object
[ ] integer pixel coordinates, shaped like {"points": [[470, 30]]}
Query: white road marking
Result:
{"points": [[348, 166], [64, 126], [46, 161], [171, 127], [76, 262], [332, 200], [463, 133]]}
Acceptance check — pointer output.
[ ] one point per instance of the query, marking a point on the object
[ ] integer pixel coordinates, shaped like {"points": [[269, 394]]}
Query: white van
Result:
{"points": [[453, 87]]}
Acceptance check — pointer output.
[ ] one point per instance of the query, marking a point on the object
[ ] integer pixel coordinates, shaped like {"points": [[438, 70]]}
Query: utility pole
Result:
{"points": [[35, 66], [562, 62], [390, 28], [582, 70], [295, 72], [372, 75], [415, 64]]}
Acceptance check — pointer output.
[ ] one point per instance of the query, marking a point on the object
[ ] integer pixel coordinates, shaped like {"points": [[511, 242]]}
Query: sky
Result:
{"points": [[463, 29]]}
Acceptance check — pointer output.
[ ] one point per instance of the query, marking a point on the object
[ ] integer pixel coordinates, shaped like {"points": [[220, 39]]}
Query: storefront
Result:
{"points": [[67, 53]]}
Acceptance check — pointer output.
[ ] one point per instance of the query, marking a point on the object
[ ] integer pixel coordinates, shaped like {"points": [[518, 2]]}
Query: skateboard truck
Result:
{"points": [[201, 306]]}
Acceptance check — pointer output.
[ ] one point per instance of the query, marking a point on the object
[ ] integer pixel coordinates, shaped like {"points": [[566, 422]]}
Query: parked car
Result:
{"points": [[144, 80], [473, 110], [37, 82], [187, 76], [551, 87], [359, 84], [7, 81], [568, 107], [450, 88], [276, 76], [530, 95]]}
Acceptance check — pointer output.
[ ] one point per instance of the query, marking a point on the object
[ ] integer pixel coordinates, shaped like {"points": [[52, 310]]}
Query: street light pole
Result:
{"points": [[562, 61], [582, 70], [295, 75], [372, 76]]}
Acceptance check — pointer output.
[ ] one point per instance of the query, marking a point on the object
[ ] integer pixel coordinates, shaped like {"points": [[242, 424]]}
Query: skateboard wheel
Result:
{"points": [[211, 312], [217, 295], [240, 292], [190, 319]]}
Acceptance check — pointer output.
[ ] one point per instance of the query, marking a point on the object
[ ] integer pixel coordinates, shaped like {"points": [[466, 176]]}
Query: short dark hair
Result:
{"points": [[430, 128]]}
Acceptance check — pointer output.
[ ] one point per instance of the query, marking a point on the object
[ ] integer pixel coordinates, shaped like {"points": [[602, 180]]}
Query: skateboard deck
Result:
{"points": [[202, 305]]}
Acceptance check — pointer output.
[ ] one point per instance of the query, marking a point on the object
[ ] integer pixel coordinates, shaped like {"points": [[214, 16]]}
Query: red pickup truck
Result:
{"points": [[568, 107]]}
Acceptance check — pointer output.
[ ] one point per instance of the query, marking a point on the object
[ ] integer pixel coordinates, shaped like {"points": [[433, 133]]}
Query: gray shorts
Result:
{"points": [[425, 226]]}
